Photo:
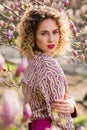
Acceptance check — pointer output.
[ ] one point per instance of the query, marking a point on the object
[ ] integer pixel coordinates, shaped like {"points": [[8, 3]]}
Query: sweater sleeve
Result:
{"points": [[52, 85], [52, 79]]}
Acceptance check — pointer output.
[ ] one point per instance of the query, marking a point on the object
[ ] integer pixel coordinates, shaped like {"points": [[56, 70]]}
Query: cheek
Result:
{"points": [[40, 40]]}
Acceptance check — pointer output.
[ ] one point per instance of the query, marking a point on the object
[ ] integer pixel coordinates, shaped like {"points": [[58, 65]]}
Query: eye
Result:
{"points": [[44, 33], [55, 32]]}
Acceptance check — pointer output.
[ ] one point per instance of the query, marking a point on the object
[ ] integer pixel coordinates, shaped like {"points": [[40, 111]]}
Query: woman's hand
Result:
{"points": [[66, 106]]}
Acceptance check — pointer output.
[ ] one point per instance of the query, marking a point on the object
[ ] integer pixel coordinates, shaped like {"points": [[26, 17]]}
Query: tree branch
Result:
{"points": [[9, 9], [4, 15]]}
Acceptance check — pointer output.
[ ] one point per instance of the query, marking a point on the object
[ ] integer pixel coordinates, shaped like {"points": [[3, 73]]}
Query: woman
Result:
{"points": [[43, 33]]}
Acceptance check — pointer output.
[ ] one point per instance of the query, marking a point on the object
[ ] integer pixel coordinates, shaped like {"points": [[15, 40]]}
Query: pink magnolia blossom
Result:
{"points": [[21, 67], [66, 2], [47, 2], [12, 27], [27, 113], [1, 67], [86, 43], [73, 27], [2, 23], [26, 1], [81, 128], [9, 35], [1, 122], [2, 62], [17, 5], [10, 107], [11, 19], [74, 52]]}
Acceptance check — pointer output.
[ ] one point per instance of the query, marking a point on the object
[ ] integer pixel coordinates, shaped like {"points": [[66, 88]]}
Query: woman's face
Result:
{"points": [[47, 36]]}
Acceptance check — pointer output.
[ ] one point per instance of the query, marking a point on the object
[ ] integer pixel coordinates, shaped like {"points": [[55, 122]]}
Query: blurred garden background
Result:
{"points": [[12, 65]]}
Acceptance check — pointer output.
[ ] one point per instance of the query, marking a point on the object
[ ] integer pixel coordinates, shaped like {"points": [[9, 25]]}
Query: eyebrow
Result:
{"points": [[47, 30]]}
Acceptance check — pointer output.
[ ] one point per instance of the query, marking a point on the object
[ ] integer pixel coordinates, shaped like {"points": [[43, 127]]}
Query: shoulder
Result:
{"points": [[49, 64], [46, 59]]}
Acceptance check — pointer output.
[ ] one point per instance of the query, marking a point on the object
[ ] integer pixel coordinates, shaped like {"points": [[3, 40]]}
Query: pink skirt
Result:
{"points": [[40, 124]]}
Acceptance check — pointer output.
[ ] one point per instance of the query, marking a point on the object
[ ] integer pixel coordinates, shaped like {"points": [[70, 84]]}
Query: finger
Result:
{"points": [[60, 102], [61, 107], [58, 106], [63, 104], [64, 111]]}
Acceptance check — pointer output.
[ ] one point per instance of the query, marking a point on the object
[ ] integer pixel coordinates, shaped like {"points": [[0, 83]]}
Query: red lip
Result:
{"points": [[51, 46]]}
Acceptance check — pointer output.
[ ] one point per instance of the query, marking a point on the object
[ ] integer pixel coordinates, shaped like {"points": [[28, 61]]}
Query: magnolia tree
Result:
{"points": [[10, 15]]}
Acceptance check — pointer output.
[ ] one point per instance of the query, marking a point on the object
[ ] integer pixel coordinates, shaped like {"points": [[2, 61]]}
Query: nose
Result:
{"points": [[50, 37]]}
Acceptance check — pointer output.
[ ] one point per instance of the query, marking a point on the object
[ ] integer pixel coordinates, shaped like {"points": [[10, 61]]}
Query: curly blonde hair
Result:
{"points": [[29, 24]]}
